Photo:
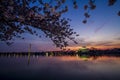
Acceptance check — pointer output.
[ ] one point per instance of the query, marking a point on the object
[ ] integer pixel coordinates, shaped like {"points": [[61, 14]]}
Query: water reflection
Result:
{"points": [[49, 67]]}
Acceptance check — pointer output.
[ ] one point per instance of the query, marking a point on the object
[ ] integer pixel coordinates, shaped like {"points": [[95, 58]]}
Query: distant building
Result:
{"points": [[83, 49]]}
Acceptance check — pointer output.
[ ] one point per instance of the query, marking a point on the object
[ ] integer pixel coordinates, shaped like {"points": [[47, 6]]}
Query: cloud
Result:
{"points": [[85, 42], [117, 38], [92, 43], [104, 43], [100, 27]]}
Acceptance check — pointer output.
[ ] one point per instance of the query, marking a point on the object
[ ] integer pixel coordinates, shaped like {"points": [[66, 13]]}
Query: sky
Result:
{"points": [[102, 30]]}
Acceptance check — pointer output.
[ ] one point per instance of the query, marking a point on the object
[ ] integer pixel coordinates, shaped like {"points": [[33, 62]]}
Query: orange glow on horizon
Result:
{"points": [[90, 47]]}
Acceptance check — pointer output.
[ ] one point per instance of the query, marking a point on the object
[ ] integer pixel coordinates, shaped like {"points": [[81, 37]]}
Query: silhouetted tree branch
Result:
{"points": [[19, 16]]}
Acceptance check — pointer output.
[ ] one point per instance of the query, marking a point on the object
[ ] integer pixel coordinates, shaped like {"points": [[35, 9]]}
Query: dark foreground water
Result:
{"points": [[59, 68]]}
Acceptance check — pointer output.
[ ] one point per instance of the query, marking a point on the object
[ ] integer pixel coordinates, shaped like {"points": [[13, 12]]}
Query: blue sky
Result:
{"points": [[102, 29]]}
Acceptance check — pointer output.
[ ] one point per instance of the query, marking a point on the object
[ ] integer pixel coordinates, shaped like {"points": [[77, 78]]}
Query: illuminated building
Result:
{"points": [[83, 49]]}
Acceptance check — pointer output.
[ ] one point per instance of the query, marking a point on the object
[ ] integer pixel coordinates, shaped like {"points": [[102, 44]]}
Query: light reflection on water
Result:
{"points": [[59, 68]]}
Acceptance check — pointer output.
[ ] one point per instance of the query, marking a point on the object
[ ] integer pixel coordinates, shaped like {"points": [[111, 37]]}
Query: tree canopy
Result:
{"points": [[19, 16]]}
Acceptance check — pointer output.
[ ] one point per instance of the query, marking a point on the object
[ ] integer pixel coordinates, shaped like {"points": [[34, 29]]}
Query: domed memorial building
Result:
{"points": [[84, 49]]}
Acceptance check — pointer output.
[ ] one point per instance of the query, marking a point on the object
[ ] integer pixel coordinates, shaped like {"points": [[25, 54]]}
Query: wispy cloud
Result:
{"points": [[104, 43], [100, 27], [117, 38], [84, 42]]}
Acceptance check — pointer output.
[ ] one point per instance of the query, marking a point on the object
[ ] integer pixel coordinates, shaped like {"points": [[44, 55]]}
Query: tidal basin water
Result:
{"points": [[59, 68]]}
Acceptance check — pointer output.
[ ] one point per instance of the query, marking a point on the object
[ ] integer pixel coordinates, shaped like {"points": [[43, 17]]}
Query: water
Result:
{"points": [[59, 68]]}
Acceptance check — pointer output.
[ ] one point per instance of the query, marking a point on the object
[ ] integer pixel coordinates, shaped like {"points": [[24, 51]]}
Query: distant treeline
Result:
{"points": [[47, 53], [110, 52]]}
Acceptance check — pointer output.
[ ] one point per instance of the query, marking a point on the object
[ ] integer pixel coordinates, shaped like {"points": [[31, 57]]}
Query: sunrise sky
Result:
{"points": [[101, 31]]}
